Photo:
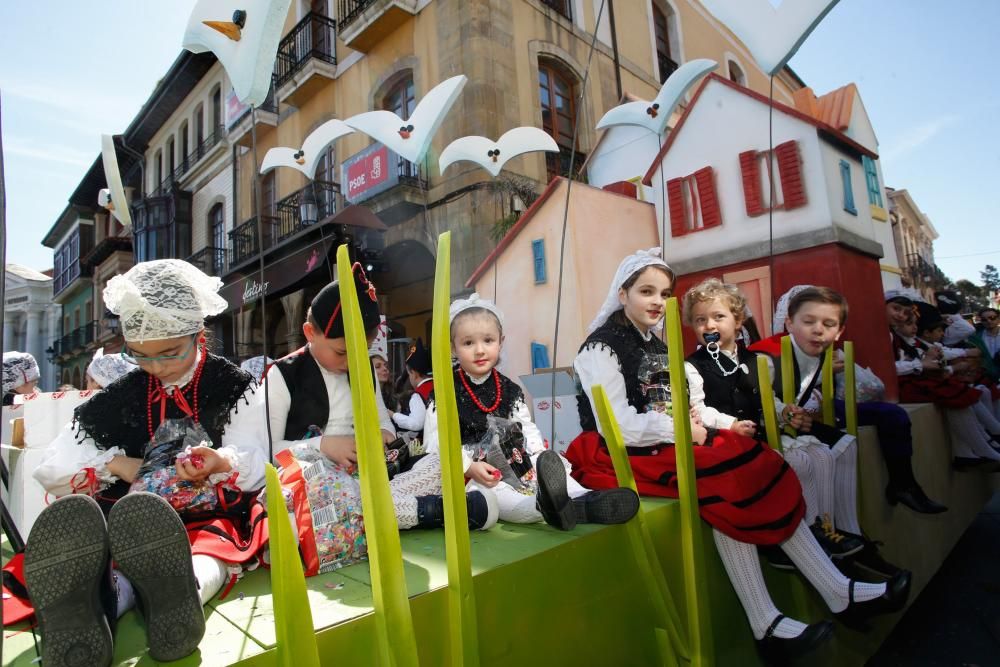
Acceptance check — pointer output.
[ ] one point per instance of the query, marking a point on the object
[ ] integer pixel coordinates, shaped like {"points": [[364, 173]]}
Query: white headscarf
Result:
{"points": [[18, 368], [474, 301], [640, 260], [781, 312], [255, 366], [106, 368], [165, 298]]}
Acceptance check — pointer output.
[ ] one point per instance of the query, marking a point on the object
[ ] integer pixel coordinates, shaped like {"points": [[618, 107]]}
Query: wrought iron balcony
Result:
{"points": [[564, 7], [76, 341], [190, 160], [667, 66], [361, 24], [211, 260], [312, 37], [243, 239], [919, 270]]}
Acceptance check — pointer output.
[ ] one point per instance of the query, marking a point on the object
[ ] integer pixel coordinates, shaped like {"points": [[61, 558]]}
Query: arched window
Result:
{"points": [[557, 99], [217, 113], [217, 240], [324, 186], [199, 130], [665, 38], [736, 74], [399, 98]]}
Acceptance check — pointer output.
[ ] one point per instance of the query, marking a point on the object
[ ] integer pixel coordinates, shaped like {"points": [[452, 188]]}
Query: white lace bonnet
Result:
{"points": [[106, 368], [781, 312], [165, 298], [640, 260], [18, 368], [474, 301]]}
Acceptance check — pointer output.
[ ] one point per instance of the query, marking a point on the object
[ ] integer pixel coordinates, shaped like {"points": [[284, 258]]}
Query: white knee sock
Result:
{"points": [[424, 479], [815, 566], [800, 462], [984, 413], [824, 469], [211, 574], [125, 592], [743, 567], [406, 511], [968, 438], [516, 507], [846, 496]]}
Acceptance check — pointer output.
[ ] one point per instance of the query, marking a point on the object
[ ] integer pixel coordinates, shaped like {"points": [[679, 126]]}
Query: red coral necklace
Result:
{"points": [[156, 393], [479, 404]]}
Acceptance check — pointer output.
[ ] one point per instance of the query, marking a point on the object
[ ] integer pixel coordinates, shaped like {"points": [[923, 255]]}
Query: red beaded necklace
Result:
{"points": [[156, 393], [479, 404]]}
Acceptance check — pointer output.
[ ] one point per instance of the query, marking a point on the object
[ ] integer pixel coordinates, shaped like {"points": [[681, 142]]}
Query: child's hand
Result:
{"points": [[698, 433], [200, 463], [484, 474], [797, 418], [695, 417], [745, 427], [930, 363], [341, 449]]}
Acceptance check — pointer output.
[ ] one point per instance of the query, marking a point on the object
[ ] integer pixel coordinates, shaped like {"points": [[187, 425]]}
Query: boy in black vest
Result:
{"points": [[418, 370], [310, 393]]}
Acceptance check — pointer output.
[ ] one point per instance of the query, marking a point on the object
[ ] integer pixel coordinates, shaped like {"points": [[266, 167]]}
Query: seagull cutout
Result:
{"points": [[772, 34], [654, 115], [412, 137], [492, 155], [113, 197], [306, 158], [246, 45]]}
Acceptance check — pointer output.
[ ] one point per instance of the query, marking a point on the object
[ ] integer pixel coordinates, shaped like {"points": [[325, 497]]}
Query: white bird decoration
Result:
{"points": [[246, 45], [412, 137], [654, 115], [492, 155], [772, 34], [306, 158], [113, 197]]}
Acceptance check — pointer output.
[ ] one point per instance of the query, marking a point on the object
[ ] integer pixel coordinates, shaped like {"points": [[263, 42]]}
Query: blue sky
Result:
{"points": [[70, 71]]}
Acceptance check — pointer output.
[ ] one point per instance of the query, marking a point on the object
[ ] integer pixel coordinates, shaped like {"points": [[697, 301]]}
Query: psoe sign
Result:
{"points": [[369, 172]]}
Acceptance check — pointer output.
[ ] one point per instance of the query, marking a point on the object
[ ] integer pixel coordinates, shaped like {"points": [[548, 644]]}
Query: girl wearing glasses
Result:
{"points": [[174, 568]]}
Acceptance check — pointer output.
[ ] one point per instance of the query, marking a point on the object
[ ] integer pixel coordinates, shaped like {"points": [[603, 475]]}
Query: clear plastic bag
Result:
{"points": [[654, 378], [158, 472], [504, 447], [868, 386]]}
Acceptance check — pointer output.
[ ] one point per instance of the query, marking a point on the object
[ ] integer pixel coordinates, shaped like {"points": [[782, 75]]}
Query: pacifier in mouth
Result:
{"points": [[712, 341]]}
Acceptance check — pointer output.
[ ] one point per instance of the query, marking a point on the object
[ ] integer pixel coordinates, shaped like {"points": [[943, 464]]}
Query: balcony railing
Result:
{"points": [[313, 37], [408, 172], [667, 66], [67, 276], [190, 160], [920, 270], [348, 10], [243, 238], [77, 340], [211, 260], [564, 7]]}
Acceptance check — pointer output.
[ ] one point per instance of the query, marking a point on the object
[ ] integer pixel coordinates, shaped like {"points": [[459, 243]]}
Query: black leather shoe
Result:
{"points": [[837, 544], [915, 499], [778, 651], [856, 616], [607, 507], [776, 557], [481, 507], [871, 561], [553, 500]]}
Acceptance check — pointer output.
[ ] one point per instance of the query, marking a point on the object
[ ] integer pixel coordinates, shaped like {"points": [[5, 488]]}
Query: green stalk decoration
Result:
{"points": [[692, 551], [462, 624], [767, 403], [850, 390], [828, 414], [788, 388], [295, 643], [669, 640], [396, 642]]}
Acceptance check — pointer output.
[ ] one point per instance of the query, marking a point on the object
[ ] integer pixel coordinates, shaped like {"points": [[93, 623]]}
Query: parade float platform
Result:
{"points": [[545, 597]]}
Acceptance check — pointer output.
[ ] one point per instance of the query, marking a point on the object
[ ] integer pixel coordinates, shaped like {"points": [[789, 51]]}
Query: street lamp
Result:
{"points": [[308, 210]]}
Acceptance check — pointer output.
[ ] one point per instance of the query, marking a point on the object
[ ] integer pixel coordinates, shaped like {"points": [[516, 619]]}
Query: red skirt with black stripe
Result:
{"points": [[942, 391], [745, 489]]}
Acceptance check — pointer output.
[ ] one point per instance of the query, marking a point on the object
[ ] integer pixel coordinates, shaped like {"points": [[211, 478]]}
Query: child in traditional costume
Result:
{"points": [[310, 404], [20, 375], [179, 387], [748, 493], [502, 449], [418, 370], [104, 369]]}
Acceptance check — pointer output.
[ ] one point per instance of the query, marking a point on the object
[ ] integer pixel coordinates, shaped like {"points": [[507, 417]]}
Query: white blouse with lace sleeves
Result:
{"points": [[710, 417], [596, 364]]}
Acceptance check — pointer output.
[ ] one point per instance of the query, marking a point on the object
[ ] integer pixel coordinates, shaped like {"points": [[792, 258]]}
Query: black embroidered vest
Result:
{"points": [[737, 394], [629, 347], [472, 421]]}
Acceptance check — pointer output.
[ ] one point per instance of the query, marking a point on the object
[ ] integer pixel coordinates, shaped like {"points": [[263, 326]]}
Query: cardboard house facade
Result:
{"points": [[710, 185]]}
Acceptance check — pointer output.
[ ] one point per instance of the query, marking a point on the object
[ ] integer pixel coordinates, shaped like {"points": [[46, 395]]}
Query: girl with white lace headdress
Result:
{"points": [[106, 368], [20, 375], [502, 449], [178, 388], [747, 492]]}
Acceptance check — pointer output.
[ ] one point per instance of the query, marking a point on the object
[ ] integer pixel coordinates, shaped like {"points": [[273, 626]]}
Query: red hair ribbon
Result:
{"points": [[370, 291]]}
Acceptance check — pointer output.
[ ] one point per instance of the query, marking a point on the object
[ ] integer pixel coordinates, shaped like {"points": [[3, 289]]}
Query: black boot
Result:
{"points": [[607, 507], [66, 572], [150, 545], [778, 651], [481, 507], [856, 616], [903, 487]]}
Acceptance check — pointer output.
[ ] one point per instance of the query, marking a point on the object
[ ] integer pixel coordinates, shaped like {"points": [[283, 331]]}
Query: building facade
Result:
{"points": [[31, 319], [914, 236]]}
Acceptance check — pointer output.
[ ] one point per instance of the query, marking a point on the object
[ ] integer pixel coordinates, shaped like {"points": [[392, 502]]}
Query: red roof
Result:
{"points": [[834, 108], [824, 128]]}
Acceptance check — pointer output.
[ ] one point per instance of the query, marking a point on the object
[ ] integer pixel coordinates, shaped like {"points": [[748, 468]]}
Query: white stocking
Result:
{"points": [[743, 567], [808, 556], [968, 438], [125, 592], [824, 470], [211, 574], [801, 463], [984, 412], [424, 479], [846, 494]]}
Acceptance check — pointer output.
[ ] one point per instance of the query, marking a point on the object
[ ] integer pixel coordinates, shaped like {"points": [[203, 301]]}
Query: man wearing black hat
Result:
{"points": [[310, 402], [418, 368]]}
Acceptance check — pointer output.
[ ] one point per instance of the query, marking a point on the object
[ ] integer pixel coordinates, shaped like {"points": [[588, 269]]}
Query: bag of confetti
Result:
{"points": [[323, 500], [158, 472]]}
